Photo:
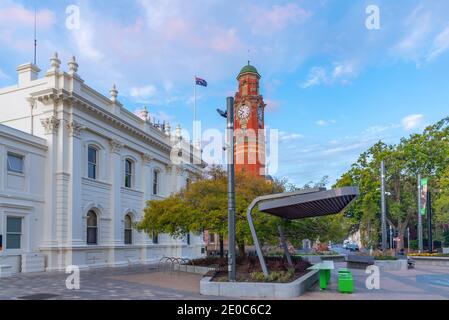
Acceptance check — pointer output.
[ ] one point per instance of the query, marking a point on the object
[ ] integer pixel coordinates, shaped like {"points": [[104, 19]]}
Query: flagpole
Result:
{"points": [[194, 108]]}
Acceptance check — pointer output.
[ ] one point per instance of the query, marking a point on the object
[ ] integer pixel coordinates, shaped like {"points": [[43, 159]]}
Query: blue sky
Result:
{"points": [[333, 87]]}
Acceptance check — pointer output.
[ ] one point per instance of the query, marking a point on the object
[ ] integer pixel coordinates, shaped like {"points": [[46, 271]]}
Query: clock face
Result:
{"points": [[243, 112]]}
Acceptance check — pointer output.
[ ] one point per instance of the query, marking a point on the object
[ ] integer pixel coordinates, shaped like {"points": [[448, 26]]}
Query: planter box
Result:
{"points": [[432, 261], [318, 258], [5, 271], [259, 290], [192, 269], [391, 265], [33, 262]]}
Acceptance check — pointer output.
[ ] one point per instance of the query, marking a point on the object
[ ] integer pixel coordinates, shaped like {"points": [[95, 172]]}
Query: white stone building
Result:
{"points": [[76, 170]]}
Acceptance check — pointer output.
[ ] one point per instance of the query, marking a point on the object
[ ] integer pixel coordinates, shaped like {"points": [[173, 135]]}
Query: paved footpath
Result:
{"points": [[146, 283], [420, 283], [126, 283]]}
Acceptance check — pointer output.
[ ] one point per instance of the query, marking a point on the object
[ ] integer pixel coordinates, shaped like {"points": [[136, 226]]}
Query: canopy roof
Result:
{"points": [[308, 203]]}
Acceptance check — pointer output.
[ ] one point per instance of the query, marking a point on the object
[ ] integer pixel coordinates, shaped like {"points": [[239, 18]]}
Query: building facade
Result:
{"points": [[77, 170]]}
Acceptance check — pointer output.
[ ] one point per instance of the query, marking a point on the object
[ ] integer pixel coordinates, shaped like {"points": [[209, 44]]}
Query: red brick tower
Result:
{"points": [[249, 108]]}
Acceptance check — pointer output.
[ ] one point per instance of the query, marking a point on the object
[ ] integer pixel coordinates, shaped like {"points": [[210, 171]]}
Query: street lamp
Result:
{"points": [[229, 115]]}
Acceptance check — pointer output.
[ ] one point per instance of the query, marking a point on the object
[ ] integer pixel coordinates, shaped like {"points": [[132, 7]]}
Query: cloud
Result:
{"points": [[277, 18], [440, 44], [3, 75], [340, 72], [316, 77], [143, 93], [412, 121], [18, 15], [288, 136], [427, 35], [324, 123]]}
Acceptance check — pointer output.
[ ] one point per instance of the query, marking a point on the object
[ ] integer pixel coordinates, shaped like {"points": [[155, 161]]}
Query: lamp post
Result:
{"points": [[420, 239], [229, 115], [384, 207]]}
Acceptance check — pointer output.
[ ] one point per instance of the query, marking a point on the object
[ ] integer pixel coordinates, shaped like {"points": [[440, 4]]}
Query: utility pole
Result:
{"points": [[229, 115], [408, 239], [429, 221], [420, 242], [384, 207], [391, 237]]}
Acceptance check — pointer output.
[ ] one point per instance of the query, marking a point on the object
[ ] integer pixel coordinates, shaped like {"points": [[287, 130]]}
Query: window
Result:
{"points": [[188, 182], [13, 233], [211, 237], [155, 182], [15, 163], [128, 173], [92, 160], [92, 228], [128, 230]]}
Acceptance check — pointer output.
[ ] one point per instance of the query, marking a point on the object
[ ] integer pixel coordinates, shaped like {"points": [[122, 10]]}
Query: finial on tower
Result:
{"points": [[114, 93], [145, 114], [73, 65], [178, 132], [55, 62]]}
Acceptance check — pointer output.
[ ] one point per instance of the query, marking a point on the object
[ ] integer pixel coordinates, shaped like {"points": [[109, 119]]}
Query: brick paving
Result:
{"points": [[147, 283], [100, 284], [409, 284]]}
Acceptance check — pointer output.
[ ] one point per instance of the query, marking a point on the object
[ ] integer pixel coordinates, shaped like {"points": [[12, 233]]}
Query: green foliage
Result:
{"points": [[203, 206], [426, 153], [274, 276]]}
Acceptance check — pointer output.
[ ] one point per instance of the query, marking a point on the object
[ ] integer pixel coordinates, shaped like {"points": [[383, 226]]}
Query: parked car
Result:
{"points": [[352, 247]]}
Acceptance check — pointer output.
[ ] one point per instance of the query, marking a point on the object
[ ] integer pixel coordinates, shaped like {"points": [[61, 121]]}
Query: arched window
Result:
{"points": [[156, 182], [92, 228], [128, 173], [128, 230], [92, 162]]}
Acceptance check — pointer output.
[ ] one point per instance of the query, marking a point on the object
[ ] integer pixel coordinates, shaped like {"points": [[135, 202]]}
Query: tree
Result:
{"points": [[426, 153], [203, 206]]}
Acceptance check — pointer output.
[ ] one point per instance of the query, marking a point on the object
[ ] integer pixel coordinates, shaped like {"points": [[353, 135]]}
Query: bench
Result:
{"points": [[324, 268], [355, 261]]}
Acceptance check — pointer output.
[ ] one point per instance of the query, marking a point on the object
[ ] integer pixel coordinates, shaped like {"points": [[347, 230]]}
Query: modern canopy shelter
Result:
{"points": [[299, 205]]}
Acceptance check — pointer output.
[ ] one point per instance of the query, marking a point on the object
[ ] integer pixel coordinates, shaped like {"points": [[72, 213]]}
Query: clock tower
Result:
{"points": [[249, 109]]}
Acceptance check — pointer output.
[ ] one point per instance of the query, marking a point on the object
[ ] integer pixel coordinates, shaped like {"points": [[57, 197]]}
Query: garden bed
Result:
{"points": [[248, 269]]}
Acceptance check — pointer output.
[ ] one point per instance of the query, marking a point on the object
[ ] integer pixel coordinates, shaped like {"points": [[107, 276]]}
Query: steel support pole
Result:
{"points": [[284, 246], [420, 233], [384, 207], [231, 189], [255, 239]]}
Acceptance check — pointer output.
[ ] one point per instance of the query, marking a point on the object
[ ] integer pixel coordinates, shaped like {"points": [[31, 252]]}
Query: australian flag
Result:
{"points": [[200, 82]]}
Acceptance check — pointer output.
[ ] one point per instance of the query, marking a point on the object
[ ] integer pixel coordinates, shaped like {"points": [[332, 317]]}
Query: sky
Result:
{"points": [[333, 87]]}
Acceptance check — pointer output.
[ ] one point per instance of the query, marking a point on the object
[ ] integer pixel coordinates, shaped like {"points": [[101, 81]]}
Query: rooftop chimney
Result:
{"points": [[27, 72]]}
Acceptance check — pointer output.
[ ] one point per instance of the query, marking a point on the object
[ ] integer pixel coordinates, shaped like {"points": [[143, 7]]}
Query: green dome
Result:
{"points": [[248, 69]]}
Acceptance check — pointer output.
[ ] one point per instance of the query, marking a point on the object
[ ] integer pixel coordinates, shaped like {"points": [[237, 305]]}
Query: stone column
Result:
{"points": [[116, 174], [76, 160], [146, 187], [51, 126]]}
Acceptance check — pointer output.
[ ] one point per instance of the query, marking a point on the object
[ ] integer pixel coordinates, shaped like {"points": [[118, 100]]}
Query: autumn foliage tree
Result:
{"points": [[203, 206]]}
